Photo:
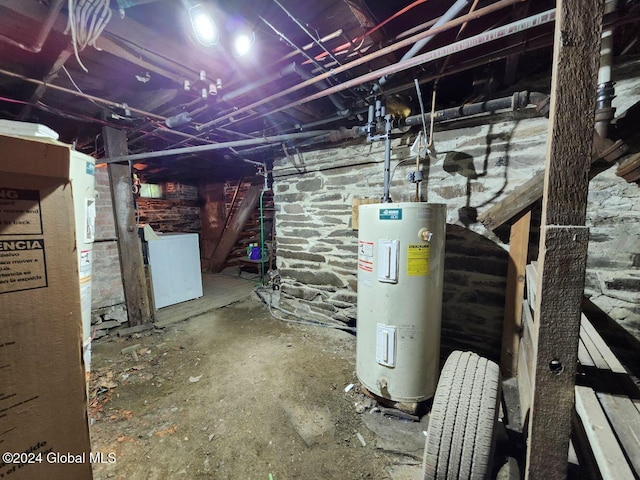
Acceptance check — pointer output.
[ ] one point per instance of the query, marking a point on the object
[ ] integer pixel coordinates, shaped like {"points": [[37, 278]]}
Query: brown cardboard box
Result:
{"points": [[43, 406]]}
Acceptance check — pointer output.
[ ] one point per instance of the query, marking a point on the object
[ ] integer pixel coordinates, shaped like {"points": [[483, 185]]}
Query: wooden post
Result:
{"points": [[131, 263], [518, 250], [564, 238]]}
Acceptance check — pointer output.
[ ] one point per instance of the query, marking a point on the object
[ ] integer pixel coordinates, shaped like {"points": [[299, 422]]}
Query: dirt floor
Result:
{"points": [[236, 394]]}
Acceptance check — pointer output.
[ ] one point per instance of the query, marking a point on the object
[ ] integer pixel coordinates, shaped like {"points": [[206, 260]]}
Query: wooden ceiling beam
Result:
{"points": [[160, 51]]}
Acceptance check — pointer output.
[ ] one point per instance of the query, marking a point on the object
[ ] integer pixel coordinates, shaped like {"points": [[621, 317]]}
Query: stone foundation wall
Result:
{"points": [[475, 166]]}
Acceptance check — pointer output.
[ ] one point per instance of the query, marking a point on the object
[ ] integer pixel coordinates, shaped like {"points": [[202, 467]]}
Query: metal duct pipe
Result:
{"points": [[44, 32], [322, 85], [367, 58], [324, 135], [500, 32], [326, 120], [419, 45], [515, 102]]}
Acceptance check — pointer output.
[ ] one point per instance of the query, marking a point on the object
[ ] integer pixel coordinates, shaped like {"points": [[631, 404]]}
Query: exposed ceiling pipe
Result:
{"points": [[606, 91], [283, 72], [103, 101], [456, 47], [517, 101], [324, 121], [373, 29], [326, 135], [306, 31], [419, 45], [367, 58], [342, 109], [324, 39], [289, 42], [530, 44], [43, 34], [293, 45]]}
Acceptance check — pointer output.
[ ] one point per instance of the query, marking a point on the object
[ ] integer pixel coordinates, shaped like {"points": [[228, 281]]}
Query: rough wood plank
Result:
{"points": [[557, 322], [583, 354], [612, 361], [518, 250], [526, 357], [588, 467], [129, 247], [564, 239], [625, 420], [232, 233], [604, 445], [531, 281], [218, 291], [125, 332], [594, 353], [355, 211]]}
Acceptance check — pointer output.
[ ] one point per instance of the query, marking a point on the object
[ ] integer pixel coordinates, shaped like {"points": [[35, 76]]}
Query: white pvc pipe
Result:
{"points": [[606, 47]]}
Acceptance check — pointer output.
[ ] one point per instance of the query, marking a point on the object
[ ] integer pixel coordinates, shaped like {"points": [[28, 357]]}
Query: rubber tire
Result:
{"points": [[462, 429]]}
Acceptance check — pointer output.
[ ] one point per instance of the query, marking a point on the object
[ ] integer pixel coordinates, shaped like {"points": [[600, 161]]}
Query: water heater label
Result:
{"points": [[390, 214], [418, 257], [365, 256]]}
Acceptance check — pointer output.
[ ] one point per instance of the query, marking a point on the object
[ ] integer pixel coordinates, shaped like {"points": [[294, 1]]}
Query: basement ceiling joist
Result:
{"points": [[144, 58]]}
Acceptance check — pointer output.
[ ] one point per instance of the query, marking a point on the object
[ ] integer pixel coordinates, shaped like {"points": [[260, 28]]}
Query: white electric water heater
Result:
{"points": [[400, 276]]}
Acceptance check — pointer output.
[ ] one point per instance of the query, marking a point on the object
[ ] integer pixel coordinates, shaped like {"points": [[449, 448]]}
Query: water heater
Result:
{"points": [[400, 276], [83, 186]]}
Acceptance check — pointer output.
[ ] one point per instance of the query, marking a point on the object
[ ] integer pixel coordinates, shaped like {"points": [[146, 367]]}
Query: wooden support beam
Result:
{"points": [[48, 78], [522, 198], [564, 238], [130, 249], [234, 228], [518, 250]]}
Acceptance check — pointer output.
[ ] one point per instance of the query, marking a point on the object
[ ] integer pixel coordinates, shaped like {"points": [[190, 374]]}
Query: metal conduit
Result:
{"points": [[367, 58], [283, 72], [456, 47], [306, 31], [419, 45], [327, 135], [516, 101]]}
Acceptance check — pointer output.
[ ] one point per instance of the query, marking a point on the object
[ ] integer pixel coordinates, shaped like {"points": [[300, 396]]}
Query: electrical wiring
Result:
{"points": [[87, 20], [346, 46], [297, 319]]}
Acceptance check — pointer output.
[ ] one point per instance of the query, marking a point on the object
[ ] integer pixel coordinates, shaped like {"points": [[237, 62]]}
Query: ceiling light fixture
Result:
{"points": [[243, 42], [203, 25]]}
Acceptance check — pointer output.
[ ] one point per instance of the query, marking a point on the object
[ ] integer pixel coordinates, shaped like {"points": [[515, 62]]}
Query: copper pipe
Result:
{"points": [[367, 58]]}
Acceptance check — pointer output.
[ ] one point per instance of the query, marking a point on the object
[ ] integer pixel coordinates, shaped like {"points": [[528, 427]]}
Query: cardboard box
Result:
{"points": [[43, 405]]}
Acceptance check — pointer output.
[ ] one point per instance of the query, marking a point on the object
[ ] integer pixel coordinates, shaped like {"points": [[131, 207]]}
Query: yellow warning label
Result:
{"points": [[418, 260]]}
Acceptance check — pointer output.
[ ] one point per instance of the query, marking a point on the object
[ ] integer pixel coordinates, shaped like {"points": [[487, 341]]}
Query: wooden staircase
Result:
{"points": [[242, 224]]}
